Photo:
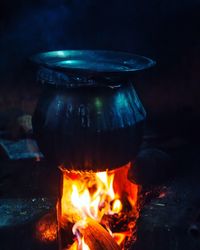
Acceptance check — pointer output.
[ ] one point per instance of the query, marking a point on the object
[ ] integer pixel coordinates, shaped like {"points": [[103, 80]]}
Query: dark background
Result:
{"points": [[166, 30]]}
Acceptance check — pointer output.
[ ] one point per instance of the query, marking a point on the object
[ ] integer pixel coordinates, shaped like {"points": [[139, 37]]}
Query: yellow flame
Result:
{"points": [[95, 195], [117, 206], [90, 195], [107, 180], [84, 246]]}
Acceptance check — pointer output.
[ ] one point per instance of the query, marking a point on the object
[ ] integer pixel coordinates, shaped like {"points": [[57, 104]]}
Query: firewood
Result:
{"points": [[95, 236]]}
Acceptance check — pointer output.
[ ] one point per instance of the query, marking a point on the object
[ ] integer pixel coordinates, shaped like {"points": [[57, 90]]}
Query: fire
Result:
{"points": [[117, 206], [120, 237], [106, 197], [81, 241], [84, 246]]}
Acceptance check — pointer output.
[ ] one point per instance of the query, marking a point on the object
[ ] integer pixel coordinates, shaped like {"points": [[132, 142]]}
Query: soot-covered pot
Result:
{"points": [[89, 115]]}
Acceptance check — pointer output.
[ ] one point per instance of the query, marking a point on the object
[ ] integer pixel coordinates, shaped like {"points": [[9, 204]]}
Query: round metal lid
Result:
{"points": [[95, 63]]}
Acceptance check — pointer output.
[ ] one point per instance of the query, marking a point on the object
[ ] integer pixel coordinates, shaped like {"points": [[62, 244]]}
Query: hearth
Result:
{"points": [[89, 121], [103, 189], [168, 210]]}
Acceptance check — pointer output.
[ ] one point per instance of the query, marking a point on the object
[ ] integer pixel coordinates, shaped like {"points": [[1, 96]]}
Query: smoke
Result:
{"points": [[158, 29], [68, 24], [48, 25]]}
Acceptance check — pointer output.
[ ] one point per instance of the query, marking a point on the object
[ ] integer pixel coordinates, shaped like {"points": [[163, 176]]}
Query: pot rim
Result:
{"points": [[93, 62]]}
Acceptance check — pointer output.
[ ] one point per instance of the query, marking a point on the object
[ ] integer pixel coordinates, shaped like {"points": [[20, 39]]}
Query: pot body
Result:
{"points": [[91, 127], [89, 116]]}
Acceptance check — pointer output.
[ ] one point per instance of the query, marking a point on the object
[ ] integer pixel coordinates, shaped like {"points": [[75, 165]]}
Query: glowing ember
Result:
{"points": [[108, 197], [162, 195], [120, 237], [46, 228]]}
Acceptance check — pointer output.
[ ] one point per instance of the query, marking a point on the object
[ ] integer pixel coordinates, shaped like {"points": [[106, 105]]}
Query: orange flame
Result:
{"points": [[98, 196], [120, 237]]}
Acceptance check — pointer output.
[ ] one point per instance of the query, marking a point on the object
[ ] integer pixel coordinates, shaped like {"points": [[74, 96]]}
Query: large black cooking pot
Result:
{"points": [[89, 115]]}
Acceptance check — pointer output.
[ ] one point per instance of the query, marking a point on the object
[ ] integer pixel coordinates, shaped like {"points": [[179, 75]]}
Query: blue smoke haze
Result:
{"points": [[158, 29]]}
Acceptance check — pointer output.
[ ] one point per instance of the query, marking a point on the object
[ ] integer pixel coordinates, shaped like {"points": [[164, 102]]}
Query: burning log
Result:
{"points": [[92, 235]]}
